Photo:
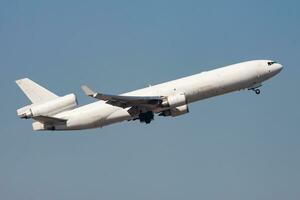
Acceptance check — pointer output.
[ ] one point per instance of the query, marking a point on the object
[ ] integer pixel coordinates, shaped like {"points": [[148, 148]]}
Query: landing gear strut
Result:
{"points": [[146, 117]]}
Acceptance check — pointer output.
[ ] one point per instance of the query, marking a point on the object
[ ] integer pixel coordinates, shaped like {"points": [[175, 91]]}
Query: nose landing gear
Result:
{"points": [[255, 88]]}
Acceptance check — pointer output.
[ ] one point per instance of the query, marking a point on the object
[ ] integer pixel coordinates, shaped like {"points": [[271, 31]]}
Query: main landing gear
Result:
{"points": [[146, 117]]}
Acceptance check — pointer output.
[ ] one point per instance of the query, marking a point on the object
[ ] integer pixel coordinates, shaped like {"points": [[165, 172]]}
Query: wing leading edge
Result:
{"points": [[124, 101]]}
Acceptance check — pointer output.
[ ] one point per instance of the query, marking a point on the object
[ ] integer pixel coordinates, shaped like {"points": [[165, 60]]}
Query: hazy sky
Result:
{"points": [[237, 146]]}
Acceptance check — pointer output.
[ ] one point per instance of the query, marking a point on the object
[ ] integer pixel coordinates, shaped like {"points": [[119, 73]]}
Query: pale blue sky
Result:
{"points": [[237, 146]]}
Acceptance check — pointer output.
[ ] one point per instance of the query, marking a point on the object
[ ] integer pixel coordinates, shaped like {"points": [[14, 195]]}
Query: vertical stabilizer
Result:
{"points": [[35, 92]]}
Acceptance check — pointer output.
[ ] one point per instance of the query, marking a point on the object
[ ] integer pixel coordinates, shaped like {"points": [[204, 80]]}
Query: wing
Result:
{"points": [[124, 101]]}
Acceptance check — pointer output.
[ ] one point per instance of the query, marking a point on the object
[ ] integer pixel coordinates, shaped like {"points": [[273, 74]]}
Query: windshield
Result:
{"points": [[271, 63]]}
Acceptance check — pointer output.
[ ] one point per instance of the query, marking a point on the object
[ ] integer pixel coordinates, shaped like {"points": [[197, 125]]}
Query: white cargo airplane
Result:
{"points": [[52, 112]]}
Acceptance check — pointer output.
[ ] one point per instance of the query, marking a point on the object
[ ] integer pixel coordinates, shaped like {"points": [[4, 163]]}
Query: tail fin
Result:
{"points": [[35, 92]]}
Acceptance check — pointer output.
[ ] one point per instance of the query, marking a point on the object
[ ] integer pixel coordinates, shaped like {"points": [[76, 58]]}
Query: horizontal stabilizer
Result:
{"points": [[50, 120]]}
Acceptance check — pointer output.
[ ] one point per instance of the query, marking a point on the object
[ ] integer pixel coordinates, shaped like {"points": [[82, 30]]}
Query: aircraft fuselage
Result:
{"points": [[246, 75]]}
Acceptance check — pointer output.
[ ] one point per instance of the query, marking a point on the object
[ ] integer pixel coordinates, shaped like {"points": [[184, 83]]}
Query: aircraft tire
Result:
{"points": [[257, 91]]}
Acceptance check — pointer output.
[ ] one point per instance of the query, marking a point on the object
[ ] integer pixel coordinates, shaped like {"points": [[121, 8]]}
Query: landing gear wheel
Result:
{"points": [[146, 117], [257, 91], [148, 120]]}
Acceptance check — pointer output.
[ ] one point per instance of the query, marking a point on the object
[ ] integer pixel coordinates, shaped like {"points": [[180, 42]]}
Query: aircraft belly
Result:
{"points": [[92, 117], [117, 116]]}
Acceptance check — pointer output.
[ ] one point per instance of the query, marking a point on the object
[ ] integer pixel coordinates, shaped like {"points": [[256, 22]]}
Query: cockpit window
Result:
{"points": [[271, 63]]}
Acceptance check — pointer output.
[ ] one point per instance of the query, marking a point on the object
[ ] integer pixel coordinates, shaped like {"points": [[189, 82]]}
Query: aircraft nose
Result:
{"points": [[278, 67]]}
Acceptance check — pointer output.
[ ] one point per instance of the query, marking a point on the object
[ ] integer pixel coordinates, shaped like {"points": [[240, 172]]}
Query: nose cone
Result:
{"points": [[272, 68], [277, 68]]}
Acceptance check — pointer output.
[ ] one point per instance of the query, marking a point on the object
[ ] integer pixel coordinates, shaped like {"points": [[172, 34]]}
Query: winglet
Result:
{"points": [[88, 91]]}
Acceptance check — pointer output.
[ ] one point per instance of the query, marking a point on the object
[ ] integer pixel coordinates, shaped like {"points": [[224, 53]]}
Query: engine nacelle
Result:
{"points": [[174, 101], [174, 112], [49, 108]]}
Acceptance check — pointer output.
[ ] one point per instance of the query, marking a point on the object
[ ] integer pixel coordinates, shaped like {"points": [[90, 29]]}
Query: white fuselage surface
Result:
{"points": [[246, 75]]}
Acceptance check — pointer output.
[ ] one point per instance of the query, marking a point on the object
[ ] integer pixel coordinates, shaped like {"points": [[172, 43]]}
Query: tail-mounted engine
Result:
{"points": [[48, 108]]}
